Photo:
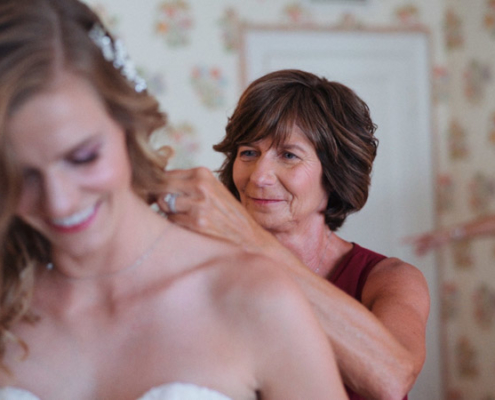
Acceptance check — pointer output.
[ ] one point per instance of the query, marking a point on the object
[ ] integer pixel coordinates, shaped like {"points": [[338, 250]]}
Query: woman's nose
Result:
{"points": [[59, 195], [264, 172]]}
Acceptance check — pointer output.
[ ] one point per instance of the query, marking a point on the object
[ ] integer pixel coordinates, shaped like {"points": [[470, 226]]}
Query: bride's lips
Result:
{"points": [[77, 221]]}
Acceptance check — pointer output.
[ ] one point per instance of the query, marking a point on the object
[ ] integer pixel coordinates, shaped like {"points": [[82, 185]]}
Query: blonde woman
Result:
{"points": [[100, 296]]}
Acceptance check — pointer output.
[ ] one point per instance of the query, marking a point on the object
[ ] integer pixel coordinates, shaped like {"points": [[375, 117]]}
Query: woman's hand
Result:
{"points": [[428, 241], [204, 205]]}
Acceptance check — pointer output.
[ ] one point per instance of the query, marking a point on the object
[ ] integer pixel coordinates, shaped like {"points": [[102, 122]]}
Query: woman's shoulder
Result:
{"points": [[392, 266], [395, 278], [194, 251], [231, 277], [259, 287]]}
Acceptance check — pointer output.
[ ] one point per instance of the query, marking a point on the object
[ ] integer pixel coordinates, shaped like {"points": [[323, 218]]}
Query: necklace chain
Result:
{"points": [[317, 270], [142, 258]]}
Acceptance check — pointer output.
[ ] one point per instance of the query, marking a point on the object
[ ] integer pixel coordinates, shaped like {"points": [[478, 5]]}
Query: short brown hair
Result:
{"points": [[335, 120]]}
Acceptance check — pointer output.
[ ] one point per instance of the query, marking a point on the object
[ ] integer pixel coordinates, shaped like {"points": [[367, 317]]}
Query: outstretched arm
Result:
{"points": [[428, 241], [379, 345]]}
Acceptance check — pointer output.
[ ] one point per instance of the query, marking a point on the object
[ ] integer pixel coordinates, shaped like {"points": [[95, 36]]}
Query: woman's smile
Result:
{"points": [[75, 166], [77, 221], [280, 185], [265, 201]]}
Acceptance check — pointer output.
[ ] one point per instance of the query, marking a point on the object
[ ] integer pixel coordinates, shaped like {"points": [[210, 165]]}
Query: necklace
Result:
{"points": [[317, 270], [141, 259]]}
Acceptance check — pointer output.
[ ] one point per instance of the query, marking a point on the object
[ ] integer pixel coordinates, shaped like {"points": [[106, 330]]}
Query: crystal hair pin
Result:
{"points": [[116, 53]]}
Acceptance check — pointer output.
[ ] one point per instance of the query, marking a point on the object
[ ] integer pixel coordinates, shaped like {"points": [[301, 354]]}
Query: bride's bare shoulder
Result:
{"points": [[230, 273], [255, 284]]}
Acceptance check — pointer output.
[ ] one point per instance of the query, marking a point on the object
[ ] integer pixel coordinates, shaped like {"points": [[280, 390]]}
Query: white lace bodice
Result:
{"points": [[169, 391]]}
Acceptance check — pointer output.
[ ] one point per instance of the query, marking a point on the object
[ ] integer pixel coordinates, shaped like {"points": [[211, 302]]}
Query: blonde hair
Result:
{"points": [[38, 40]]}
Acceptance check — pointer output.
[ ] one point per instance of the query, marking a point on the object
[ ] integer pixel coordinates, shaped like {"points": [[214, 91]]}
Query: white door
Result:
{"points": [[390, 71]]}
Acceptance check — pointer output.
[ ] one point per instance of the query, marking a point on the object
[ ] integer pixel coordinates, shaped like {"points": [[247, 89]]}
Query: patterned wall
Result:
{"points": [[466, 183], [189, 52]]}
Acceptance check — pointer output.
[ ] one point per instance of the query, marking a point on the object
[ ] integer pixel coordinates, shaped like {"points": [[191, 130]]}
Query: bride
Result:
{"points": [[100, 296]]}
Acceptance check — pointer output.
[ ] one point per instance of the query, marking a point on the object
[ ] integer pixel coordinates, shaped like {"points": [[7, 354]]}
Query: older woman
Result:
{"points": [[100, 296], [299, 153]]}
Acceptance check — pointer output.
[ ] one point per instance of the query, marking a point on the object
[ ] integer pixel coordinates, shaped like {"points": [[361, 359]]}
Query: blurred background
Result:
{"points": [[425, 67]]}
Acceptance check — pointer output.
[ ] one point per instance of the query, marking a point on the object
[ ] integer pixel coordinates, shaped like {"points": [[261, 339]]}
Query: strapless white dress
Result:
{"points": [[169, 391]]}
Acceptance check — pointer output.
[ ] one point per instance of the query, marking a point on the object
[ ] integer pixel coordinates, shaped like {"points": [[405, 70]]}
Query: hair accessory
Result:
{"points": [[170, 199], [116, 53]]}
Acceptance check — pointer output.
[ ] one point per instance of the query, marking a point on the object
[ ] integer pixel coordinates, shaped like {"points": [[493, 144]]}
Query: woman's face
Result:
{"points": [[281, 187], [75, 166]]}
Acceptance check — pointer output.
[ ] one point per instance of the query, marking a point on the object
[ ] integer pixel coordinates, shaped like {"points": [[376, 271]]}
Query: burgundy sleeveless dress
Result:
{"points": [[350, 276]]}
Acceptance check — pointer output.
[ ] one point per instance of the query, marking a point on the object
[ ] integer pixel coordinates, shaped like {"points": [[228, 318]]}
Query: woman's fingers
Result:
{"points": [[196, 199], [426, 242], [183, 187], [203, 204]]}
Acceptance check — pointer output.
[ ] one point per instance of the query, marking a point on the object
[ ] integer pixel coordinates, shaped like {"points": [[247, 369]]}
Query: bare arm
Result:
{"points": [[380, 353], [380, 344], [428, 241]]}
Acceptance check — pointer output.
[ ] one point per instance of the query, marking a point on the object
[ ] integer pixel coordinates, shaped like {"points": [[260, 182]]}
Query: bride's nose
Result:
{"points": [[59, 194]]}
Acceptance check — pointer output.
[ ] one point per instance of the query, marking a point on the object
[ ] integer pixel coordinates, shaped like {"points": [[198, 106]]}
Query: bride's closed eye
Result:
{"points": [[85, 155]]}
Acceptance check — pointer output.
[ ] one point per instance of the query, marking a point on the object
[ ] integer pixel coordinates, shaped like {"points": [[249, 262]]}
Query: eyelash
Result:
{"points": [[87, 159], [245, 153], [289, 155], [285, 154]]}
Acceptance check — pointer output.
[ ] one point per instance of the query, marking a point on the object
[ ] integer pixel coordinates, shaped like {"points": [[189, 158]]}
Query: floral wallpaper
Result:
{"points": [[468, 191], [188, 50]]}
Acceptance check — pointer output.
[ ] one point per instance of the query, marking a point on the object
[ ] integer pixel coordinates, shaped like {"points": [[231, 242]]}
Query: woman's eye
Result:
{"points": [[247, 153], [84, 157], [289, 156], [30, 177]]}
